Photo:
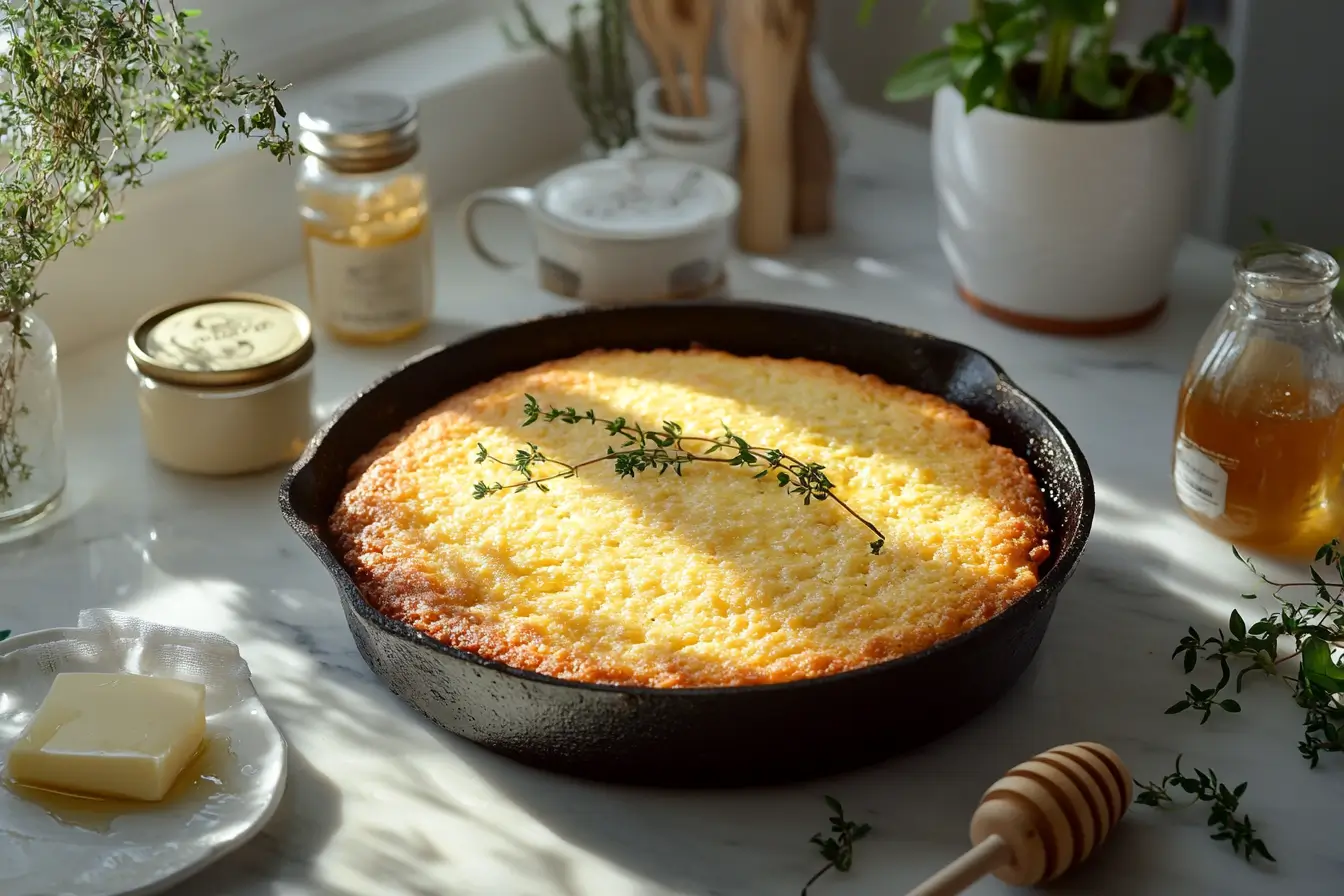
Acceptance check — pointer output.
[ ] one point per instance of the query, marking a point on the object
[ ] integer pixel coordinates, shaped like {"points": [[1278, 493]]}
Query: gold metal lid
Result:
{"points": [[239, 339]]}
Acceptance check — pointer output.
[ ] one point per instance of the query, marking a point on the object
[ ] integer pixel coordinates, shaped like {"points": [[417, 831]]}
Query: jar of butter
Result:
{"points": [[225, 384], [365, 210]]}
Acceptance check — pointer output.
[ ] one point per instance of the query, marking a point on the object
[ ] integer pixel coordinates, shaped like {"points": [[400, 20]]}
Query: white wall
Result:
{"points": [[1285, 150]]}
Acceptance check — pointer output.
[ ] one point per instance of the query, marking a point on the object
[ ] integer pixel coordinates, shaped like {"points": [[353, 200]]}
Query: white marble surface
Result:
{"points": [[381, 802]]}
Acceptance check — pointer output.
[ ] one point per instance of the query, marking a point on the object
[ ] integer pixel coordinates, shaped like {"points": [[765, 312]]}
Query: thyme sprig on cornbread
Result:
{"points": [[662, 450]]}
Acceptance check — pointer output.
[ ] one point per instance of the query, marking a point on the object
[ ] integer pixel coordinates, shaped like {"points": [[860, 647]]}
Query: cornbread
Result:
{"points": [[712, 578]]}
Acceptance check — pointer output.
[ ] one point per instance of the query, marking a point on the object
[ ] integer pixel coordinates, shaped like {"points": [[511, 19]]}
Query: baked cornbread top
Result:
{"points": [[712, 578]]}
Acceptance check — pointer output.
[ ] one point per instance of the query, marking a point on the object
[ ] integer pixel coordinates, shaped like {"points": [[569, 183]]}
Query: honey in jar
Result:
{"points": [[365, 215], [1259, 447]]}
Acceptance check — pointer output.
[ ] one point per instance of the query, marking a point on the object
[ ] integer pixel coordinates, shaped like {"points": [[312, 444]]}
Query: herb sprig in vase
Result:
{"points": [[92, 88], [596, 63]]}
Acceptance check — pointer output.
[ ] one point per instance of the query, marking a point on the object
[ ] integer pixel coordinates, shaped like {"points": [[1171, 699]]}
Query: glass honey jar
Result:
{"points": [[1259, 447], [365, 212]]}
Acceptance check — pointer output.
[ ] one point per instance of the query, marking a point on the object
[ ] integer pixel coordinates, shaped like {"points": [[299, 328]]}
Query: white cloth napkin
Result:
{"points": [[112, 641]]}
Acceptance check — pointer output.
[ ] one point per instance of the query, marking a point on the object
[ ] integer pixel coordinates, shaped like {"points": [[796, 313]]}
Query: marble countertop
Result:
{"points": [[379, 801]]}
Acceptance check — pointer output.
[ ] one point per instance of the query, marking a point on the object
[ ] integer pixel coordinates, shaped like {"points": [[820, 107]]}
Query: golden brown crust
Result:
{"points": [[495, 579]]}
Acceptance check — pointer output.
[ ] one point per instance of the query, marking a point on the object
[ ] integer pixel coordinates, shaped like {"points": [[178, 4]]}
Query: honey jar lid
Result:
{"points": [[360, 132], [240, 339]]}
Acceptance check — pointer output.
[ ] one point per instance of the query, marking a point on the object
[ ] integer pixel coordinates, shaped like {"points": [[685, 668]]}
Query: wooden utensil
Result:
{"points": [[813, 156], [1042, 818], [689, 25], [768, 38], [649, 21]]}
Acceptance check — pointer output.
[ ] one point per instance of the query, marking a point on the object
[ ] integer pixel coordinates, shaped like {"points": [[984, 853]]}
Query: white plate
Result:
{"points": [[149, 850]]}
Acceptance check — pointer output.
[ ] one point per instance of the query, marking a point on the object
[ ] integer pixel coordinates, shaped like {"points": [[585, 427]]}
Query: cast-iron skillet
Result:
{"points": [[703, 736]]}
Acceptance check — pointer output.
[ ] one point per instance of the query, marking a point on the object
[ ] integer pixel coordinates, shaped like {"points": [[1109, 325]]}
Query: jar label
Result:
{"points": [[1201, 482], [372, 289]]}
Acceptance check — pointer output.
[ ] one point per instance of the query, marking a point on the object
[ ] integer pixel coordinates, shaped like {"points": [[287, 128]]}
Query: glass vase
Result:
{"points": [[32, 442]]}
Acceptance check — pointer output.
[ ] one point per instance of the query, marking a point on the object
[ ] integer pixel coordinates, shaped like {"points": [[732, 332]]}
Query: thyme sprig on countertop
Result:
{"points": [[1307, 631], [662, 450], [838, 851], [1204, 787]]}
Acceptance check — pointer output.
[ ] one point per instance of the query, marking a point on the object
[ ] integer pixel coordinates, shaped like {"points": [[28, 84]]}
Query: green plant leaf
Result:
{"points": [[920, 77], [1156, 51], [1019, 28], [1219, 69], [1182, 108], [1079, 12], [866, 12], [999, 13], [983, 81], [4, 633], [1319, 667], [965, 36], [1092, 82], [965, 63]]}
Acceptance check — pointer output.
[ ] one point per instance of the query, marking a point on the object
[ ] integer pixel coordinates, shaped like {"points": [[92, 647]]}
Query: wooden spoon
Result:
{"points": [[768, 38], [813, 156], [650, 23], [689, 25], [1042, 818]]}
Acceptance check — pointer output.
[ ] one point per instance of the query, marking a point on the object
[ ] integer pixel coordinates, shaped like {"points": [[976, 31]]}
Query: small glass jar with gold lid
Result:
{"points": [[225, 384], [365, 213]]}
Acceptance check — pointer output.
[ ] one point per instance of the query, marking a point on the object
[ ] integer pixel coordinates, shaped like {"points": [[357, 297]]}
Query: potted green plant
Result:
{"points": [[1062, 164], [597, 70], [91, 88]]}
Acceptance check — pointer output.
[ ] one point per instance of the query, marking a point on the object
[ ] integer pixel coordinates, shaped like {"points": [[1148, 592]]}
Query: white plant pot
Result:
{"points": [[1066, 227]]}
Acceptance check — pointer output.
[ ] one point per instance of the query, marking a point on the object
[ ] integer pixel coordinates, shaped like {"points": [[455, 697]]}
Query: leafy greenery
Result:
{"points": [[1204, 787], [4, 633], [1311, 628], [838, 850], [599, 75], [989, 58], [662, 450], [93, 87]]}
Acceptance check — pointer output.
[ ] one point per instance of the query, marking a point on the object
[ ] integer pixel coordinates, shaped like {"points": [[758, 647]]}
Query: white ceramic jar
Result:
{"points": [[225, 384], [710, 140], [1060, 226], [622, 229]]}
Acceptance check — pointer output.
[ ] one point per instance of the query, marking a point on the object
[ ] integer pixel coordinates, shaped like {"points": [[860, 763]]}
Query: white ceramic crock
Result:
{"points": [[596, 240], [711, 140], [1066, 227]]}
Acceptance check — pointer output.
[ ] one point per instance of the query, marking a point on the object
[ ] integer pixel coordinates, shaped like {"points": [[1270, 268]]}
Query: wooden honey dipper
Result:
{"points": [[1042, 818]]}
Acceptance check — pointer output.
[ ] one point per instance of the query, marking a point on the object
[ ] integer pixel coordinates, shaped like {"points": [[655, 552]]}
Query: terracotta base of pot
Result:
{"points": [[1109, 326]]}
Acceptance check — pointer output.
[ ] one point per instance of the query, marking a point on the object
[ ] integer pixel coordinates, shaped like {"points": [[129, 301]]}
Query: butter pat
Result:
{"points": [[111, 735]]}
